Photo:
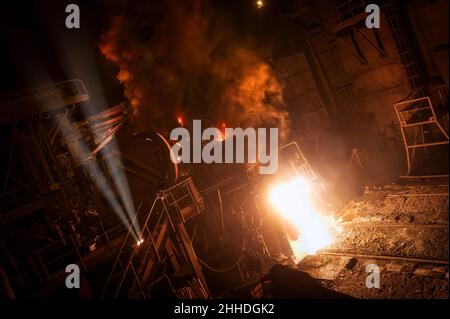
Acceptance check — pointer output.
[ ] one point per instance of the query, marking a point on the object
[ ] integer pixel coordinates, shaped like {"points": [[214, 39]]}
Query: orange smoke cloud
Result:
{"points": [[187, 62], [255, 96]]}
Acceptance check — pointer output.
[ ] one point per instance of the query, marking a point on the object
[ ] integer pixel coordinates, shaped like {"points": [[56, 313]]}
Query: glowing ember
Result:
{"points": [[221, 138], [293, 201], [180, 120]]}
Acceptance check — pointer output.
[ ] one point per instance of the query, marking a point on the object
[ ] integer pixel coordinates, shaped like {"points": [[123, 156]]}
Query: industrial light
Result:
{"points": [[140, 242], [293, 201], [260, 4]]}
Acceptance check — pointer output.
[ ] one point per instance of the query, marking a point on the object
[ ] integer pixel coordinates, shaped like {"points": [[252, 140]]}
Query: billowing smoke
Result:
{"points": [[180, 58]]}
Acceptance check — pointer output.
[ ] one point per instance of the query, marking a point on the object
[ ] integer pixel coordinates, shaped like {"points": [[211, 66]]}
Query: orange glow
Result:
{"points": [[221, 138], [222, 133], [293, 201], [180, 120]]}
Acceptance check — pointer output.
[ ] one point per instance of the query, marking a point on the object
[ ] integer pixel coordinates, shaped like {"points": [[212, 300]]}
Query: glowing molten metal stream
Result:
{"points": [[293, 201]]}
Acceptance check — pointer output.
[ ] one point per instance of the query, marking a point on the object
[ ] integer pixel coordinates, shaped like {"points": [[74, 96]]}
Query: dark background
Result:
{"points": [[37, 49]]}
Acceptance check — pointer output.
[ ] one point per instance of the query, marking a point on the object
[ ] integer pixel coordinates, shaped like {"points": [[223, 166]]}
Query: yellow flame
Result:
{"points": [[293, 201]]}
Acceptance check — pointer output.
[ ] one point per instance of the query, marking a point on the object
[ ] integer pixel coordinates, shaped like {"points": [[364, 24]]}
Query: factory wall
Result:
{"points": [[431, 24]]}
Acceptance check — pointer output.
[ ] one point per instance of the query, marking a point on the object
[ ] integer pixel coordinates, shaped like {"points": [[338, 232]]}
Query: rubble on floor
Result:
{"points": [[402, 229]]}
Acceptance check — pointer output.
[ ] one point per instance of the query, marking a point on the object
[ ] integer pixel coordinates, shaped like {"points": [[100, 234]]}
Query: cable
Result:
{"points": [[235, 189], [227, 268]]}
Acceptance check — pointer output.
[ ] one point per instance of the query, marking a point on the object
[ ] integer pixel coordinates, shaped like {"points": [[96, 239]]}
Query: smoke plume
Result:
{"points": [[181, 58]]}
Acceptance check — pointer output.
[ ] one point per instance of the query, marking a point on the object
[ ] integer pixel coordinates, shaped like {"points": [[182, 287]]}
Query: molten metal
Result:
{"points": [[293, 201]]}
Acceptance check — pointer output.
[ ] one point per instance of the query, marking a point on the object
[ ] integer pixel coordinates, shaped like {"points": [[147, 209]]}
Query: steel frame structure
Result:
{"points": [[418, 115]]}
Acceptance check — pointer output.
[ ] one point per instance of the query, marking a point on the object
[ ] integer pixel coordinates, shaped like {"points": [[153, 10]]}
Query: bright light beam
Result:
{"points": [[89, 59], [79, 149], [115, 168], [293, 201]]}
